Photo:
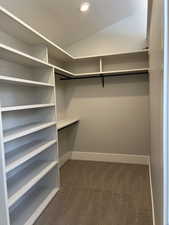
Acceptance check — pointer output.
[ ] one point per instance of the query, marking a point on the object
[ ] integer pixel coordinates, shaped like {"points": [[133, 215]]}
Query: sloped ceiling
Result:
{"points": [[61, 20]]}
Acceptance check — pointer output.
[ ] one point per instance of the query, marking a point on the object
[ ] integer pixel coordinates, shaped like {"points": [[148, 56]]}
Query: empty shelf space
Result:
{"points": [[21, 131], [23, 181], [67, 122], [24, 153], [14, 55], [32, 206], [23, 82], [24, 107]]}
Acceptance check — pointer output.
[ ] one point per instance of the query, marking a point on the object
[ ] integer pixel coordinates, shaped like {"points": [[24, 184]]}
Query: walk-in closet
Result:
{"points": [[83, 112]]}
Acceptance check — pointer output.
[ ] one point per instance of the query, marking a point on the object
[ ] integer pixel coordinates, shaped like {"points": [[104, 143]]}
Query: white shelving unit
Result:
{"points": [[29, 172], [22, 182]]}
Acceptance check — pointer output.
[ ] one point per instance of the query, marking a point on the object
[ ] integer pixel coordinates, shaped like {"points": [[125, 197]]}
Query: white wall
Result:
{"points": [[156, 105], [126, 35], [114, 119]]}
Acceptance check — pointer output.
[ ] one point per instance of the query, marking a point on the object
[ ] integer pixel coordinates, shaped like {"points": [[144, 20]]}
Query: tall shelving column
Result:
{"points": [[29, 170], [4, 218]]}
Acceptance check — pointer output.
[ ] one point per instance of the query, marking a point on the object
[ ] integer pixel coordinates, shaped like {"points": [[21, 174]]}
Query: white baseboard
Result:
{"points": [[109, 157], [104, 157], [152, 196], [63, 159]]}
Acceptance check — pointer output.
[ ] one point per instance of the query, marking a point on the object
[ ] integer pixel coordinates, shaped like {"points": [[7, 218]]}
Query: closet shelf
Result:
{"points": [[26, 152], [24, 107], [14, 55], [115, 54], [23, 181], [113, 72], [140, 70], [19, 81], [64, 72], [21, 131], [32, 206], [67, 122]]}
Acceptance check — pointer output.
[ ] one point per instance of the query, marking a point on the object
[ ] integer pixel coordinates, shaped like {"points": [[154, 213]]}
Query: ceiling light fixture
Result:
{"points": [[84, 6]]}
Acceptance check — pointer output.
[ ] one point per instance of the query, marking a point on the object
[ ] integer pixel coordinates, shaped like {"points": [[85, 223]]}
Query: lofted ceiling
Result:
{"points": [[61, 20]]}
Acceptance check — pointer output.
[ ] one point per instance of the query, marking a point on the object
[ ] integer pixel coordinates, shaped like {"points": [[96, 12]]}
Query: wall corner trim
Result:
{"points": [[109, 157]]}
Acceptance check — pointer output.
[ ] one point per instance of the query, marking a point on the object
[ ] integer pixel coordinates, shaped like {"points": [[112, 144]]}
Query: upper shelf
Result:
{"points": [[113, 72], [113, 54], [14, 55]]}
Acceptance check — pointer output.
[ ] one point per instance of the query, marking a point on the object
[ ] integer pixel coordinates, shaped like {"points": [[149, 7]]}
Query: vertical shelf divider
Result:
{"points": [[4, 218], [101, 64], [57, 139]]}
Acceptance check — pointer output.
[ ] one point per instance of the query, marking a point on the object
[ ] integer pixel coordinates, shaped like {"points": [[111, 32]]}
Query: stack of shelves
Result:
{"points": [[29, 172], [119, 63]]}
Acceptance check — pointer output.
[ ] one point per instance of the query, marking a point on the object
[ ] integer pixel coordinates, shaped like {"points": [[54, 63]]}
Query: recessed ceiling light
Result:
{"points": [[84, 6]]}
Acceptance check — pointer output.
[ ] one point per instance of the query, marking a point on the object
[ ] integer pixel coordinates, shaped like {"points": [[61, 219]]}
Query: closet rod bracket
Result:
{"points": [[102, 80]]}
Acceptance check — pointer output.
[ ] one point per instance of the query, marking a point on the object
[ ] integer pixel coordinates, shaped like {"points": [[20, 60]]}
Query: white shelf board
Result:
{"points": [[132, 71], [114, 54], [19, 81], [14, 55], [65, 72], [67, 122], [32, 206], [24, 107], [21, 131], [26, 152], [23, 181]]}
